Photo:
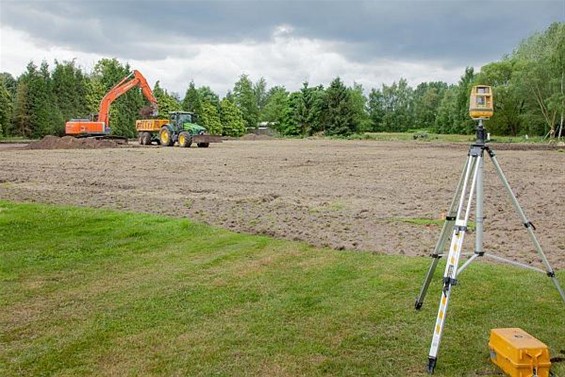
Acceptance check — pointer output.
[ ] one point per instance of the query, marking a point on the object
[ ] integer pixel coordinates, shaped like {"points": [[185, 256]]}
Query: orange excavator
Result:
{"points": [[99, 127]]}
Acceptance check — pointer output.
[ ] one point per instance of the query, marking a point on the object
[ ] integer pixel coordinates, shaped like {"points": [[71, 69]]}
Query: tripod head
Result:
{"points": [[481, 133]]}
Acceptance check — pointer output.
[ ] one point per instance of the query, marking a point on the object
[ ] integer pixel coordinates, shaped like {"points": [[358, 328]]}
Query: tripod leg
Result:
{"points": [[479, 212], [444, 235], [449, 280], [450, 274], [529, 226]]}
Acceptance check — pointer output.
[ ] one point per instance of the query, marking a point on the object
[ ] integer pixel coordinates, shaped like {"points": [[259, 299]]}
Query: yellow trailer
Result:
{"points": [[150, 125]]}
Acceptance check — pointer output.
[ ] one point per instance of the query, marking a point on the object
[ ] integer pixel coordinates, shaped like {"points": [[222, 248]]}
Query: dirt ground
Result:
{"points": [[361, 195]]}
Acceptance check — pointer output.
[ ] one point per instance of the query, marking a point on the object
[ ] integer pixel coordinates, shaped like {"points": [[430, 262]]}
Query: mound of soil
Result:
{"points": [[69, 142]]}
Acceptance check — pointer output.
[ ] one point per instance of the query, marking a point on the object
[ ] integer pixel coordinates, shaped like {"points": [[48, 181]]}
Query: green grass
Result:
{"points": [[92, 292]]}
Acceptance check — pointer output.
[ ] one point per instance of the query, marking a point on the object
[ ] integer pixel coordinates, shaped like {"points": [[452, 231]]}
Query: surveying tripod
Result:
{"points": [[470, 183]]}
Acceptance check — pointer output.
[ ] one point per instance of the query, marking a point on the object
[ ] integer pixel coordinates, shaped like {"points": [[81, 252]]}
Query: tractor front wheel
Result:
{"points": [[165, 137], [185, 140], [203, 145]]}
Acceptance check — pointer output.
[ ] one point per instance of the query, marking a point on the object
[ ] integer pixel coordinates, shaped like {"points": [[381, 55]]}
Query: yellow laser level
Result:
{"points": [[481, 104]]}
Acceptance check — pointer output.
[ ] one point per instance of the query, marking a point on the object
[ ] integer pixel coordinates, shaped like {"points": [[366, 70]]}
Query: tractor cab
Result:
{"points": [[178, 118], [186, 121]]}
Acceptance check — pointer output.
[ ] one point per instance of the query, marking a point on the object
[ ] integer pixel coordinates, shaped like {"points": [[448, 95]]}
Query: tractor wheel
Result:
{"points": [[165, 137], [140, 138], [146, 138], [185, 140], [203, 145]]}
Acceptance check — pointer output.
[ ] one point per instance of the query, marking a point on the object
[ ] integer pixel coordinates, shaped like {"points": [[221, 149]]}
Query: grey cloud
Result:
{"points": [[455, 32]]}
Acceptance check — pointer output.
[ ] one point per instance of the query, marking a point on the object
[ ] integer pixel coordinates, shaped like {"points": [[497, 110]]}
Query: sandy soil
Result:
{"points": [[343, 194]]}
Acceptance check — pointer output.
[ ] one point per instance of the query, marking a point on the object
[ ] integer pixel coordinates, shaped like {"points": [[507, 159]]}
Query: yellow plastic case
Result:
{"points": [[518, 353]]}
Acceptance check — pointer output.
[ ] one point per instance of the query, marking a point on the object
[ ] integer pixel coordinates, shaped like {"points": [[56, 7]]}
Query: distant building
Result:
{"points": [[264, 128]]}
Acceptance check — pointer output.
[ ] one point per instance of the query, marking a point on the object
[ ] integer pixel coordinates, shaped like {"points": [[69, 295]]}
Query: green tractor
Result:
{"points": [[181, 127]]}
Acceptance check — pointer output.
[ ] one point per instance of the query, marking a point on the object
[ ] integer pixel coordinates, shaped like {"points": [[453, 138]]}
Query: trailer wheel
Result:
{"points": [[165, 137], [146, 138], [203, 145], [185, 140]]}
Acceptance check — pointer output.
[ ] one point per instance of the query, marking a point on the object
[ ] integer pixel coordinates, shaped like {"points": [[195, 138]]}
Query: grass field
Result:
{"points": [[92, 292]]}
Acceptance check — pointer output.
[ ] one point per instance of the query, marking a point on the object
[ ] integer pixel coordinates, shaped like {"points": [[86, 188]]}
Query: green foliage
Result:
{"points": [[35, 112], [276, 106], [231, 119], [427, 99], [6, 107], [539, 77], [210, 118], [166, 102], [340, 110], [359, 106], [10, 82], [205, 94], [245, 98], [463, 122], [192, 101], [453, 110], [305, 115], [397, 104], [376, 109], [70, 87], [447, 112], [21, 123], [508, 106]]}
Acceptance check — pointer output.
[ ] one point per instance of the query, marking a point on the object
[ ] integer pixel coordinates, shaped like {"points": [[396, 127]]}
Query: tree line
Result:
{"points": [[528, 85]]}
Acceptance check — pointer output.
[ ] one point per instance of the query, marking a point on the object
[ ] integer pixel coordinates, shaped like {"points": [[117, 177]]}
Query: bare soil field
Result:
{"points": [[358, 195]]}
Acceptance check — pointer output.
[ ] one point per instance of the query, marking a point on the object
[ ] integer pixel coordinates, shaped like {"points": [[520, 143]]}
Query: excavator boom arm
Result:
{"points": [[121, 88]]}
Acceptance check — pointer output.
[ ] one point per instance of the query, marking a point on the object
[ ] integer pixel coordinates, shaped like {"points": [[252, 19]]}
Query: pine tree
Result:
{"points": [[70, 90], [463, 123], [165, 101], [192, 101], [231, 119], [22, 124], [207, 95], [340, 114], [376, 110], [10, 82], [246, 101], [36, 113], [211, 119], [6, 107]]}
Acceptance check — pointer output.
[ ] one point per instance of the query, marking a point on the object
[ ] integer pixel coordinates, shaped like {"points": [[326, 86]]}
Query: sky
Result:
{"points": [[286, 42]]}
